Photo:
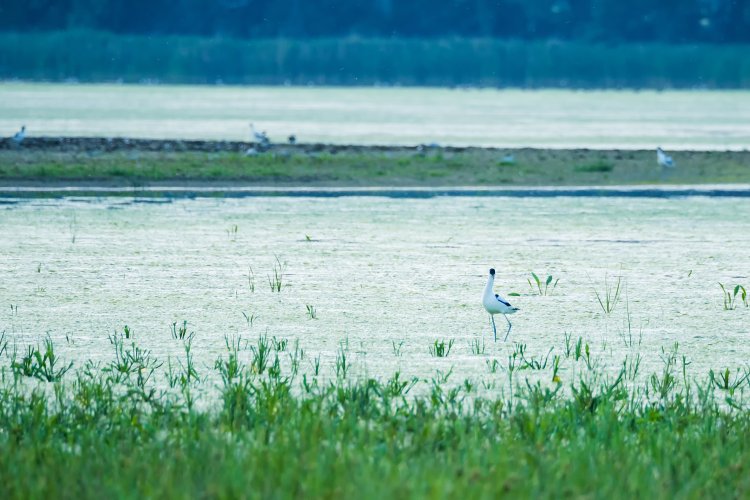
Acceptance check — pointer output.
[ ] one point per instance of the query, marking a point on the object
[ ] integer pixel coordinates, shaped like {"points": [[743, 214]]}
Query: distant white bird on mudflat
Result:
{"points": [[20, 135], [664, 159], [495, 304], [259, 137]]}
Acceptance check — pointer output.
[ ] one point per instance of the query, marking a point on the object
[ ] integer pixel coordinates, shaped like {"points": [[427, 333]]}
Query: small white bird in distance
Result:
{"points": [[664, 159], [495, 304], [259, 137], [20, 135]]}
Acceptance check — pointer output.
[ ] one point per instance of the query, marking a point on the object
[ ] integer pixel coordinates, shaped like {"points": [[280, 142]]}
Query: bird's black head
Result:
{"points": [[492, 272]]}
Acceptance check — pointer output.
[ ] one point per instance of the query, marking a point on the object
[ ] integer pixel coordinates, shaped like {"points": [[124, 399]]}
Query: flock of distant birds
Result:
{"points": [[262, 143]]}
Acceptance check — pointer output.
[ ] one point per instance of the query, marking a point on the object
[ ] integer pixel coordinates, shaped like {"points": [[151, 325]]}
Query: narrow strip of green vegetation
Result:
{"points": [[335, 166]]}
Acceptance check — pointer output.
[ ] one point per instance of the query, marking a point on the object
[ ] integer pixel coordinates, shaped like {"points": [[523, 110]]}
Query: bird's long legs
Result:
{"points": [[509, 327], [494, 328]]}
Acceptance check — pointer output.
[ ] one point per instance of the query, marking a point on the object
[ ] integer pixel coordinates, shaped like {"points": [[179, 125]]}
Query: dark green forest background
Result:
{"points": [[529, 43]]}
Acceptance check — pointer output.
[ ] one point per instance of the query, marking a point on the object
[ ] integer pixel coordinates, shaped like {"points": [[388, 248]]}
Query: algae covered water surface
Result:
{"points": [[384, 277]]}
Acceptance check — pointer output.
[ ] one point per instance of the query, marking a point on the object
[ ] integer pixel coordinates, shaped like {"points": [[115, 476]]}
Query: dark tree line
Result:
{"points": [[608, 21]]}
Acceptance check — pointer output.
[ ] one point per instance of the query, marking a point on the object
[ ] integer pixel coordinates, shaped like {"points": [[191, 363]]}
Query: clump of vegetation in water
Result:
{"points": [[181, 332], [731, 297], [311, 312], [610, 296], [543, 288], [441, 348], [477, 346], [39, 362], [232, 232], [276, 278]]}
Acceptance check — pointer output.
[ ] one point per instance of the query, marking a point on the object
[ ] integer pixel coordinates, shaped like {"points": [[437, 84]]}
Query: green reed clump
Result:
{"points": [[477, 346], [276, 278], [3, 343], [532, 362], [341, 364], [397, 347], [279, 345], [311, 312], [249, 318], [728, 381], [232, 232], [181, 332], [543, 288], [441, 348], [39, 362], [610, 296], [261, 354], [731, 297]]}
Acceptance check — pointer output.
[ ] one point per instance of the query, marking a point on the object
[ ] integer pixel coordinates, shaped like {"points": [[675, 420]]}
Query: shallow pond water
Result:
{"points": [[409, 116], [378, 271]]}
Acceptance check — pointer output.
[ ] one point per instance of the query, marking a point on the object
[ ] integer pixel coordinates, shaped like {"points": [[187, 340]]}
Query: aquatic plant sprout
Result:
{"points": [[732, 295], [543, 288]]}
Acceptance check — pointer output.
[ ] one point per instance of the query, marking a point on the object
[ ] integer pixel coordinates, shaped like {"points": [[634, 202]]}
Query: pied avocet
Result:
{"points": [[495, 304]]}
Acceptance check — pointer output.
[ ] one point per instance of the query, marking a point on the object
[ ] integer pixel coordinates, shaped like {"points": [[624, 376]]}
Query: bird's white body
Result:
{"points": [[20, 135], [495, 304], [664, 159]]}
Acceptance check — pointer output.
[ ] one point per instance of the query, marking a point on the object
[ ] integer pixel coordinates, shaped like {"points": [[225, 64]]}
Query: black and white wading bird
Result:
{"points": [[495, 304], [20, 136], [664, 159]]}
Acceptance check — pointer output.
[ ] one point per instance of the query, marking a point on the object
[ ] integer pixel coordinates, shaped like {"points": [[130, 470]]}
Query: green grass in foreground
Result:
{"points": [[399, 167], [256, 426]]}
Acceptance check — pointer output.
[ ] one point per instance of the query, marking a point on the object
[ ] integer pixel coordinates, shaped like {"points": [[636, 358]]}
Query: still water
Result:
{"points": [[702, 120], [379, 272]]}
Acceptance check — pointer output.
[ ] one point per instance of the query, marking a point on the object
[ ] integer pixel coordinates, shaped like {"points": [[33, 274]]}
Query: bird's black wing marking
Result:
{"points": [[502, 301]]}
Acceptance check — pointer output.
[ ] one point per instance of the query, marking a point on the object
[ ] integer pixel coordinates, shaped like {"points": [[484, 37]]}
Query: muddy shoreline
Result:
{"points": [[114, 144]]}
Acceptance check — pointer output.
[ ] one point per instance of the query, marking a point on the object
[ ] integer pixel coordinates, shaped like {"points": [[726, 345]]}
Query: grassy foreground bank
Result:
{"points": [[256, 426], [361, 166]]}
